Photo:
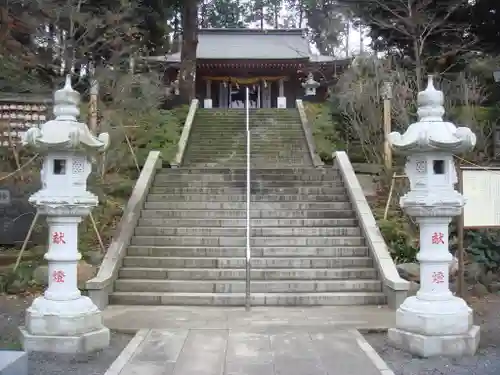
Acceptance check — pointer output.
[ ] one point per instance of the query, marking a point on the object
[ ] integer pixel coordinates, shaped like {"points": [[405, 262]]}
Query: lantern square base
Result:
{"points": [[84, 343], [448, 317], [62, 318], [432, 346]]}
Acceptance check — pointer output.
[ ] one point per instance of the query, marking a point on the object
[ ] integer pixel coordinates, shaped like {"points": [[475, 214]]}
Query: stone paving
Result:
{"points": [[130, 319], [184, 340], [227, 352]]}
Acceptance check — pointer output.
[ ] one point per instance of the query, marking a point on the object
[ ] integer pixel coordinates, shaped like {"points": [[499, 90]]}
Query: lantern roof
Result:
{"points": [[65, 132], [431, 133]]}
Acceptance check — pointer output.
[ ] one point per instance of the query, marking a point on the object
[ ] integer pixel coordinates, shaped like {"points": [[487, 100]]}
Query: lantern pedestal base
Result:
{"points": [[435, 327], [70, 326], [84, 343], [432, 346], [434, 317]]}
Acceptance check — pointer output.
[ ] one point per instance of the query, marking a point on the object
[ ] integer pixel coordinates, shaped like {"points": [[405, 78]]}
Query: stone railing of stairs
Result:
{"points": [[101, 285], [395, 288], [318, 163], [186, 132]]}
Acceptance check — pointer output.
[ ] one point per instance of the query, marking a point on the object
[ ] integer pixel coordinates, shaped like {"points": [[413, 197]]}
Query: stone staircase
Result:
{"points": [[189, 245], [218, 138]]}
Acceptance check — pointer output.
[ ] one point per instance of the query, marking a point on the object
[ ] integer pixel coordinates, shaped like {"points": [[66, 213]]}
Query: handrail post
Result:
{"points": [[248, 229]]}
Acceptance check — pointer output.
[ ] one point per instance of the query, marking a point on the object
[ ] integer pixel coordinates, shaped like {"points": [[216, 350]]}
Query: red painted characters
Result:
{"points": [[438, 277], [58, 238], [437, 238], [58, 276]]}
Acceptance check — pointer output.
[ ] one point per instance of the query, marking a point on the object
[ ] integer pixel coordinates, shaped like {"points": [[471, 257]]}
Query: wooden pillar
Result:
{"points": [[387, 96], [209, 89], [281, 88], [94, 92], [207, 102], [259, 105], [281, 102]]}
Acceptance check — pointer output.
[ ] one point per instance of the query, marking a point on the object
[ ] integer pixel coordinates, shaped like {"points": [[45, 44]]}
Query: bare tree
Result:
{"points": [[425, 26], [358, 94]]}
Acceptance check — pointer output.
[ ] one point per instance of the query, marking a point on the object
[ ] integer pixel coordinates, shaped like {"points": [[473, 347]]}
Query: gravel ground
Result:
{"points": [[12, 310], [486, 362]]}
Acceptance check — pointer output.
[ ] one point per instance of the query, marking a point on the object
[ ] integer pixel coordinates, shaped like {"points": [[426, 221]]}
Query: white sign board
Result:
{"points": [[481, 188]]}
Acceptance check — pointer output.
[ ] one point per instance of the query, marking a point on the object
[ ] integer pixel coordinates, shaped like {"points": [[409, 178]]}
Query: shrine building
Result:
{"points": [[277, 65]]}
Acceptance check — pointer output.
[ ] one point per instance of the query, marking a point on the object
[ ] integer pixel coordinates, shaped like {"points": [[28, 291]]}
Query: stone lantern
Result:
{"points": [[310, 85], [62, 320], [434, 322]]}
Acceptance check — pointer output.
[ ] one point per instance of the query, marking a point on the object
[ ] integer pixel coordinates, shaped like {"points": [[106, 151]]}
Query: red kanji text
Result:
{"points": [[58, 238], [437, 238], [437, 277], [58, 276]]}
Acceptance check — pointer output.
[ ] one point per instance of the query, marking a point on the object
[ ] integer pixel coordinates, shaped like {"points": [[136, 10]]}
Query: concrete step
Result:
{"points": [[241, 231], [288, 144], [194, 251], [236, 154], [255, 214], [262, 138], [257, 161], [267, 152], [259, 171], [292, 143], [242, 205], [260, 286], [256, 134], [239, 273], [242, 176], [239, 130], [242, 198], [238, 299], [267, 262], [241, 241], [228, 190], [260, 184], [254, 172], [229, 223]]}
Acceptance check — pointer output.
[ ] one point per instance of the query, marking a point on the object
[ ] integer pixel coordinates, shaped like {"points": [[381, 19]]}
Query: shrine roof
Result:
{"points": [[250, 44]]}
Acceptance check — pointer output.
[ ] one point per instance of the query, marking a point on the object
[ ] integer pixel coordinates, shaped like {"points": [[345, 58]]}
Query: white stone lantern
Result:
{"points": [[62, 320], [434, 322], [310, 85]]}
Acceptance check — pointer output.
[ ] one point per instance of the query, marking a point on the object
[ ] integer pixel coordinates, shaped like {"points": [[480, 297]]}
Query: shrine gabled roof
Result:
{"points": [[249, 44]]}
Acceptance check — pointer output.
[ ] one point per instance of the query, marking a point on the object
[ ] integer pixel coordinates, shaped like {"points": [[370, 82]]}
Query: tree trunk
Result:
{"points": [[187, 73], [301, 14], [418, 64], [203, 15]]}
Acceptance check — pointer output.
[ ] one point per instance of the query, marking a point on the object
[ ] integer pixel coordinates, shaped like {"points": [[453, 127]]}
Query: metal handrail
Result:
{"points": [[248, 229]]}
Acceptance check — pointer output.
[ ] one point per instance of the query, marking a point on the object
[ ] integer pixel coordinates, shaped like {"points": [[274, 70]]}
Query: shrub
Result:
{"points": [[323, 128]]}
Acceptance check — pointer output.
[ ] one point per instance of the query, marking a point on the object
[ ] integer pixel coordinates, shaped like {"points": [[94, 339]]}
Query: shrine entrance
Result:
{"points": [[237, 96], [229, 92]]}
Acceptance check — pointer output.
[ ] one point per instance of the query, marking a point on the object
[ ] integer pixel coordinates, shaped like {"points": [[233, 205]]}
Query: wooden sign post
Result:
{"points": [[387, 96]]}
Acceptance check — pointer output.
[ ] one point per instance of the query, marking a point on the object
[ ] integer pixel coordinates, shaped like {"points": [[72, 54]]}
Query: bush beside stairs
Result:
{"points": [[189, 245]]}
